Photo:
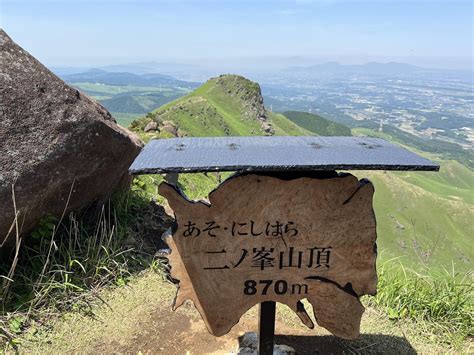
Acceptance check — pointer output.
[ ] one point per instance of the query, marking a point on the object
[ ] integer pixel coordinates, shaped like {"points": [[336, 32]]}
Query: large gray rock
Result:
{"points": [[53, 141]]}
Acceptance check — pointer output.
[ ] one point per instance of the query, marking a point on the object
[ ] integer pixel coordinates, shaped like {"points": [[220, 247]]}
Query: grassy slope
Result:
{"points": [[441, 148], [209, 111], [425, 217], [317, 124], [421, 227]]}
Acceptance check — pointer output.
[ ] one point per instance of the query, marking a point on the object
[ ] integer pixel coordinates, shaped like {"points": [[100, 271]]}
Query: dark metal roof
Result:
{"points": [[186, 155]]}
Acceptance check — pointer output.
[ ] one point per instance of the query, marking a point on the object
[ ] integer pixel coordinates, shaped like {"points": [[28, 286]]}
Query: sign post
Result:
{"points": [[285, 227], [266, 328]]}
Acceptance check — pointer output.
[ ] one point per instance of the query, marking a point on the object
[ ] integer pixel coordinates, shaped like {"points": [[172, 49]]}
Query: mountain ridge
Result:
{"points": [[225, 105]]}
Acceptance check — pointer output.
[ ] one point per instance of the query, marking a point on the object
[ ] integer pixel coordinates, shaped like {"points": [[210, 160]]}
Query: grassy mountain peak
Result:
{"points": [[228, 105]]}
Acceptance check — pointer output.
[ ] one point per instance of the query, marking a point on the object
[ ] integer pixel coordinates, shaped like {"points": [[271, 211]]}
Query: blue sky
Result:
{"points": [[91, 33]]}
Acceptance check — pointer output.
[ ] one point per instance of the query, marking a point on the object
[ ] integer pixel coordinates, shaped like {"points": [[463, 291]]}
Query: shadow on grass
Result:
{"points": [[328, 344], [365, 344]]}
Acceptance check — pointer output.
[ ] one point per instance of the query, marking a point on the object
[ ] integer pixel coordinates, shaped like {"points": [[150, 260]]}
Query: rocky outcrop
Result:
{"points": [[59, 149], [268, 128], [151, 126], [245, 91], [170, 127]]}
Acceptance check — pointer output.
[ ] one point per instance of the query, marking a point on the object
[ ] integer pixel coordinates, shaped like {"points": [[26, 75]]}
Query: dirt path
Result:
{"points": [[138, 319]]}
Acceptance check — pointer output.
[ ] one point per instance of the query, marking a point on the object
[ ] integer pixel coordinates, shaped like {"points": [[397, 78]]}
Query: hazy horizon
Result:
{"points": [[257, 64], [233, 35]]}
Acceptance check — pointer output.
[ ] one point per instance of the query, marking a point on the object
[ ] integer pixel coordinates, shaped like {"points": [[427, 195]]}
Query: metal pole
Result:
{"points": [[266, 328]]}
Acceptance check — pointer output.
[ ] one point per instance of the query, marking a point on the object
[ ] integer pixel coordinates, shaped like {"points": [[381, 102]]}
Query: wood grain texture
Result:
{"points": [[263, 238]]}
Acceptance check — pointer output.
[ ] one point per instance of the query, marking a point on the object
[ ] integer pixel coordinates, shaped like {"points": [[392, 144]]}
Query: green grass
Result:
{"points": [[419, 225], [64, 262], [441, 303], [317, 124], [438, 184], [425, 217], [284, 127]]}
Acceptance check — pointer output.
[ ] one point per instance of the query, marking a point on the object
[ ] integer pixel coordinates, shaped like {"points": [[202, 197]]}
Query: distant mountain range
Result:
{"points": [[194, 71], [150, 67], [99, 76], [134, 68]]}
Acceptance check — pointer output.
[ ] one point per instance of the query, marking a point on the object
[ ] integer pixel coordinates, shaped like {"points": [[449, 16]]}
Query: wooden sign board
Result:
{"points": [[264, 238]]}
